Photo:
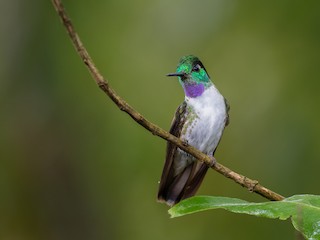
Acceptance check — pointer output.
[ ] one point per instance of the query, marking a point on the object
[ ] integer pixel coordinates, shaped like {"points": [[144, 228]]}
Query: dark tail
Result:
{"points": [[173, 189]]}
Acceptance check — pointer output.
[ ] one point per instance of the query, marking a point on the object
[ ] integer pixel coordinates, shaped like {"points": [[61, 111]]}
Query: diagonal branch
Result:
{"points": [[251, 185]]}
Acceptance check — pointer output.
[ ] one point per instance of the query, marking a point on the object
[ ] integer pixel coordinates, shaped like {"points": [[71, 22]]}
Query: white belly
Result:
{"points": [[208, 115]]}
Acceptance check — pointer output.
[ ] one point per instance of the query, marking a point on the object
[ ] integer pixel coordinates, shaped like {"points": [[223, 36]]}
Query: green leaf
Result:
{"points": [[304, 210]]}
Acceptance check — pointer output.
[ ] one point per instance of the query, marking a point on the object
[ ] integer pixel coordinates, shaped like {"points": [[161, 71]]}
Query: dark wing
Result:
{"points": [[228, 109], [168, 171], [177, 186]]}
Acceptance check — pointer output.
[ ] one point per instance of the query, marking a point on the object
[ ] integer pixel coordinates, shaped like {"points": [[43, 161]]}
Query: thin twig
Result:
{"points": [[251, 185]]}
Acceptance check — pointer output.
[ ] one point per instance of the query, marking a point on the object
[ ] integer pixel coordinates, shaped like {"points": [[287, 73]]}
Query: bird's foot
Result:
{"points": [[213, 161], [185, 143]]}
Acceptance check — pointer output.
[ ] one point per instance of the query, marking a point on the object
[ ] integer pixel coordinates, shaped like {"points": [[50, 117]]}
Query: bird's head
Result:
{"points": [[192, 76]]}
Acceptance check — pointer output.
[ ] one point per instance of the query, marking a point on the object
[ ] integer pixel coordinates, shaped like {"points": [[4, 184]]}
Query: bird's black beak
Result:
{"points": [[176, 75]]}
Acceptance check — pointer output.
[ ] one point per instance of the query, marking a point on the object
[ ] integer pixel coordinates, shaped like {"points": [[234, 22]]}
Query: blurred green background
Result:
{"points": [[75, 167]]}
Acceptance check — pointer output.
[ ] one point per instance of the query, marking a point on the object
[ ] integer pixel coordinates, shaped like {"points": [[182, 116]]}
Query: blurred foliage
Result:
{"points": [[75, 167]]}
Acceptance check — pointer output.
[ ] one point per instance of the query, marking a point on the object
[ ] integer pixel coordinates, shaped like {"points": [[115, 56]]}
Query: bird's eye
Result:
{"points": [[196, 68]]}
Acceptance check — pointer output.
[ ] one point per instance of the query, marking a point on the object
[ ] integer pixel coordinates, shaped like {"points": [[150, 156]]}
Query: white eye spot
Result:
{"points": [[196, 68]]}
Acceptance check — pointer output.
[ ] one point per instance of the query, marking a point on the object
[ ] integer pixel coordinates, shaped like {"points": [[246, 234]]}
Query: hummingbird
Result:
{"points": [[199, 121]]}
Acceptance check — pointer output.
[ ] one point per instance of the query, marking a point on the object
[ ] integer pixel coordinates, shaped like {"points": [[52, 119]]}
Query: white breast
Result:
{"points": [[204, 130]]}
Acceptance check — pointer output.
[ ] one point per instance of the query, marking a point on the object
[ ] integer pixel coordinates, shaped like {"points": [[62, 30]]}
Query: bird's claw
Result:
{"points": [[213, 161], [185, 143]]}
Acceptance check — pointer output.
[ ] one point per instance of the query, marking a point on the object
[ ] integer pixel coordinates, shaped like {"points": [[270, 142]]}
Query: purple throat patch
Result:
{"points": [[194, 90]]}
